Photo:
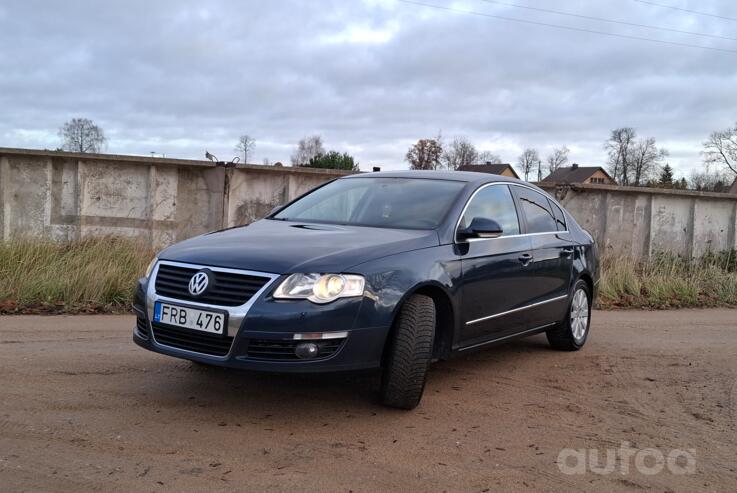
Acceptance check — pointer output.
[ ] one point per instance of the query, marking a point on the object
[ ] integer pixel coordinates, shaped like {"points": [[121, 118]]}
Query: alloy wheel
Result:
{"points": [[579, 315]]}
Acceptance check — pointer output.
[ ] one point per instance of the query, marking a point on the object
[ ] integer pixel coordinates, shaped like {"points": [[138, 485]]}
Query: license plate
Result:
{"points": [[189, 318]]}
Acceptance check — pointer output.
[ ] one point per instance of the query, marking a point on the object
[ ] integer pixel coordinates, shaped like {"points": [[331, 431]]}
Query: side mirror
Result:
{"points": [[481, 227]]}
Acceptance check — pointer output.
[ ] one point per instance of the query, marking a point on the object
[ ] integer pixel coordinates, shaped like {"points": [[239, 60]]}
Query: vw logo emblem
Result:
{"points": [[198, 283]]}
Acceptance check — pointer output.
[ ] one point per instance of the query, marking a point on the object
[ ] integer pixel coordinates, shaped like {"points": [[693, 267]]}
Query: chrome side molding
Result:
{"points": [[496, 315]]}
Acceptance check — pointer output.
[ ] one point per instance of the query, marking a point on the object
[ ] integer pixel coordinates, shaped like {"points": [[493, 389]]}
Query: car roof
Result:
{"points": [[465, 176]]}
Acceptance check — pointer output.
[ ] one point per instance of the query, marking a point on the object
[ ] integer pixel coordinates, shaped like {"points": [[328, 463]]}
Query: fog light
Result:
{"points": [[306, 350]]}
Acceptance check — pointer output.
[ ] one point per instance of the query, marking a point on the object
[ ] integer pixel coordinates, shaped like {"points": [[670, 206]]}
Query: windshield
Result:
{"points": [[405, 203]]}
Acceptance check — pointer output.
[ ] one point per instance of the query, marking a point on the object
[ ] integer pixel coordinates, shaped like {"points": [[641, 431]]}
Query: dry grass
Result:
{"points": [[99, 275], [93, 275], [668, 281]]}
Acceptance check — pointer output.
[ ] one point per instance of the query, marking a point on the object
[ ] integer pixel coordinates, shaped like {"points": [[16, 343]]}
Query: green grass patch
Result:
{"points": [[93, 275]]}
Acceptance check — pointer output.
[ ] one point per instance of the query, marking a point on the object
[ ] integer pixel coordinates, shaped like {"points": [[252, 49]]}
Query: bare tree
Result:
{"points": [[307, 148], [489, 157], [246, 144], [460, 152], [709, 180], [425, 154], [528, 160], [557, 158], [632, 161], [645, 159], [721, 149], [619, 147], [82, 135]]}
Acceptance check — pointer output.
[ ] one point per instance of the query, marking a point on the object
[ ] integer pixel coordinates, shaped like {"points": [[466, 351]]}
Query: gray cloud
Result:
{"points": [[371, 76]]}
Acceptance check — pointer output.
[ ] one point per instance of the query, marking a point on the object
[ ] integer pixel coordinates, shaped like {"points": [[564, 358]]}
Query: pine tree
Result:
{"points": [[666, 177]]}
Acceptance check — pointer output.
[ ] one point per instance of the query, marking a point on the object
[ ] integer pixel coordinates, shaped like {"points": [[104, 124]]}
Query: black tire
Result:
{"points": [[562, 336], [409, 354]]}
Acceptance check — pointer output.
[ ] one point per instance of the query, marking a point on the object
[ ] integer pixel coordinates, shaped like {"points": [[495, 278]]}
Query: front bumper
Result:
{"points": [[265, 319]]}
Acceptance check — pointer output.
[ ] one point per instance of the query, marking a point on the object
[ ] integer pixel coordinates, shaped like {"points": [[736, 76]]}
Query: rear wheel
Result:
{"points": [[572, 333], [410, 351]]}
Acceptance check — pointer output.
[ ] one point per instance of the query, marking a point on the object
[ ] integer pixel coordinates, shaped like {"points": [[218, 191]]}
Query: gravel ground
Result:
{"points": [[83, 408]]}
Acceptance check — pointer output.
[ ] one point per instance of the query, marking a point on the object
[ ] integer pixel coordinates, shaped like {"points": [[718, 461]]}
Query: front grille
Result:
{"points": [[141, 328], [284, 350], [191, 340], [228, 289]]}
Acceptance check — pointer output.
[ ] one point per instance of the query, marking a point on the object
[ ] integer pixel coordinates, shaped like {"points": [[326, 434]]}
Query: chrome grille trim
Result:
{"points": [[236, 314]]}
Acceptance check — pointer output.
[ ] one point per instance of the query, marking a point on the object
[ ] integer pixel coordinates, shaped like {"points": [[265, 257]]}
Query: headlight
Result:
{"points": [[151, 267], [320, 288]]}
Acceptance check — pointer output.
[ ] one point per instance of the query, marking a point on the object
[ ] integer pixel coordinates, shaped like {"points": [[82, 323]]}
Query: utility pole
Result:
{"points": [[539, 171]]}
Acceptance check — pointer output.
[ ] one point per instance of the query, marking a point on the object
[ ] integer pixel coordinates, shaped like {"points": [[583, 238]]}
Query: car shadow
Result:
{"points": [[180, 384]]}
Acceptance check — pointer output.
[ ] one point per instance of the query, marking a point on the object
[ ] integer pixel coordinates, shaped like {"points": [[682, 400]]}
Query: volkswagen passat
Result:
{"points": [[382, 270]]}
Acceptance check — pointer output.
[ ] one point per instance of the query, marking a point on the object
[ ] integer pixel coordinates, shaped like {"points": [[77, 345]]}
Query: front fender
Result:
{"points": [[390, 280]]}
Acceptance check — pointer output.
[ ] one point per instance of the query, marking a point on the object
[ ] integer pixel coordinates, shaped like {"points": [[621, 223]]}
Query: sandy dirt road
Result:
{"points": [[82, 408]]}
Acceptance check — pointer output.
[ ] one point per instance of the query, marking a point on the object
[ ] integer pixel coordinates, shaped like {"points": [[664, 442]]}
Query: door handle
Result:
{"points": [[567, 252], [525, 258]]}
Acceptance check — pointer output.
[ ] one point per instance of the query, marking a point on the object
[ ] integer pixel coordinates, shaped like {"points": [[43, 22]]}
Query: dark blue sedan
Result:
{"points": [[381, 270]]}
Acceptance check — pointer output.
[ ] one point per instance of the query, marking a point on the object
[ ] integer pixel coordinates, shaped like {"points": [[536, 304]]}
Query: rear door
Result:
{"points": [[496, 271], [552, 252]]}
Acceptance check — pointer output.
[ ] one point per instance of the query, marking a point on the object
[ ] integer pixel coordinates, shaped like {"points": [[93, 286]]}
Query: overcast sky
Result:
{"points": [[371, 76]]}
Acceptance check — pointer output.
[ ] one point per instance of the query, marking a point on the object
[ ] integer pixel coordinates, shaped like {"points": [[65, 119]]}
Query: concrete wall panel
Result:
{"points": [[27, 206], [627, 224], [199, 205], [300, 184], [164, 183], [712, 224], [253, 195], [114, 199], [65, 220], [589, 210], [671, 225], [114, 190]]}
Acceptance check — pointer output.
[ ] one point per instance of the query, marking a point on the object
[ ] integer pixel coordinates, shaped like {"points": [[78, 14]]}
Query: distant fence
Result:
{"points": [[67, 196], [642, 221]]}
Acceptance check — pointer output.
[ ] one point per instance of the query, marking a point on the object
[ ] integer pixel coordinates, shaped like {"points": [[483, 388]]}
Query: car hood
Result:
{"points": [[282, 247]]}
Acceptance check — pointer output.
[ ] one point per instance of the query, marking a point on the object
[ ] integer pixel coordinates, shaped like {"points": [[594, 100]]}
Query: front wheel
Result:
{"points": [[571, 334], [410, 351]]}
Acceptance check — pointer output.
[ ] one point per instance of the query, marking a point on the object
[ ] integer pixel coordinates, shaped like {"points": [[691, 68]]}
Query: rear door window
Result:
{"points": [[560, 218], [536, 208]]}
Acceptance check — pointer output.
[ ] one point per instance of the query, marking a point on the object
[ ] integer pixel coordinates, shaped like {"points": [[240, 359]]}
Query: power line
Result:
{"points": [[612, 21], [687, 10], [568, 28]]}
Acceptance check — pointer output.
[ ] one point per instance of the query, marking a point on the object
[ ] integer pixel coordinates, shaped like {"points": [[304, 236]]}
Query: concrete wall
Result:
{"points": [[68, 196], [643, 221]]}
